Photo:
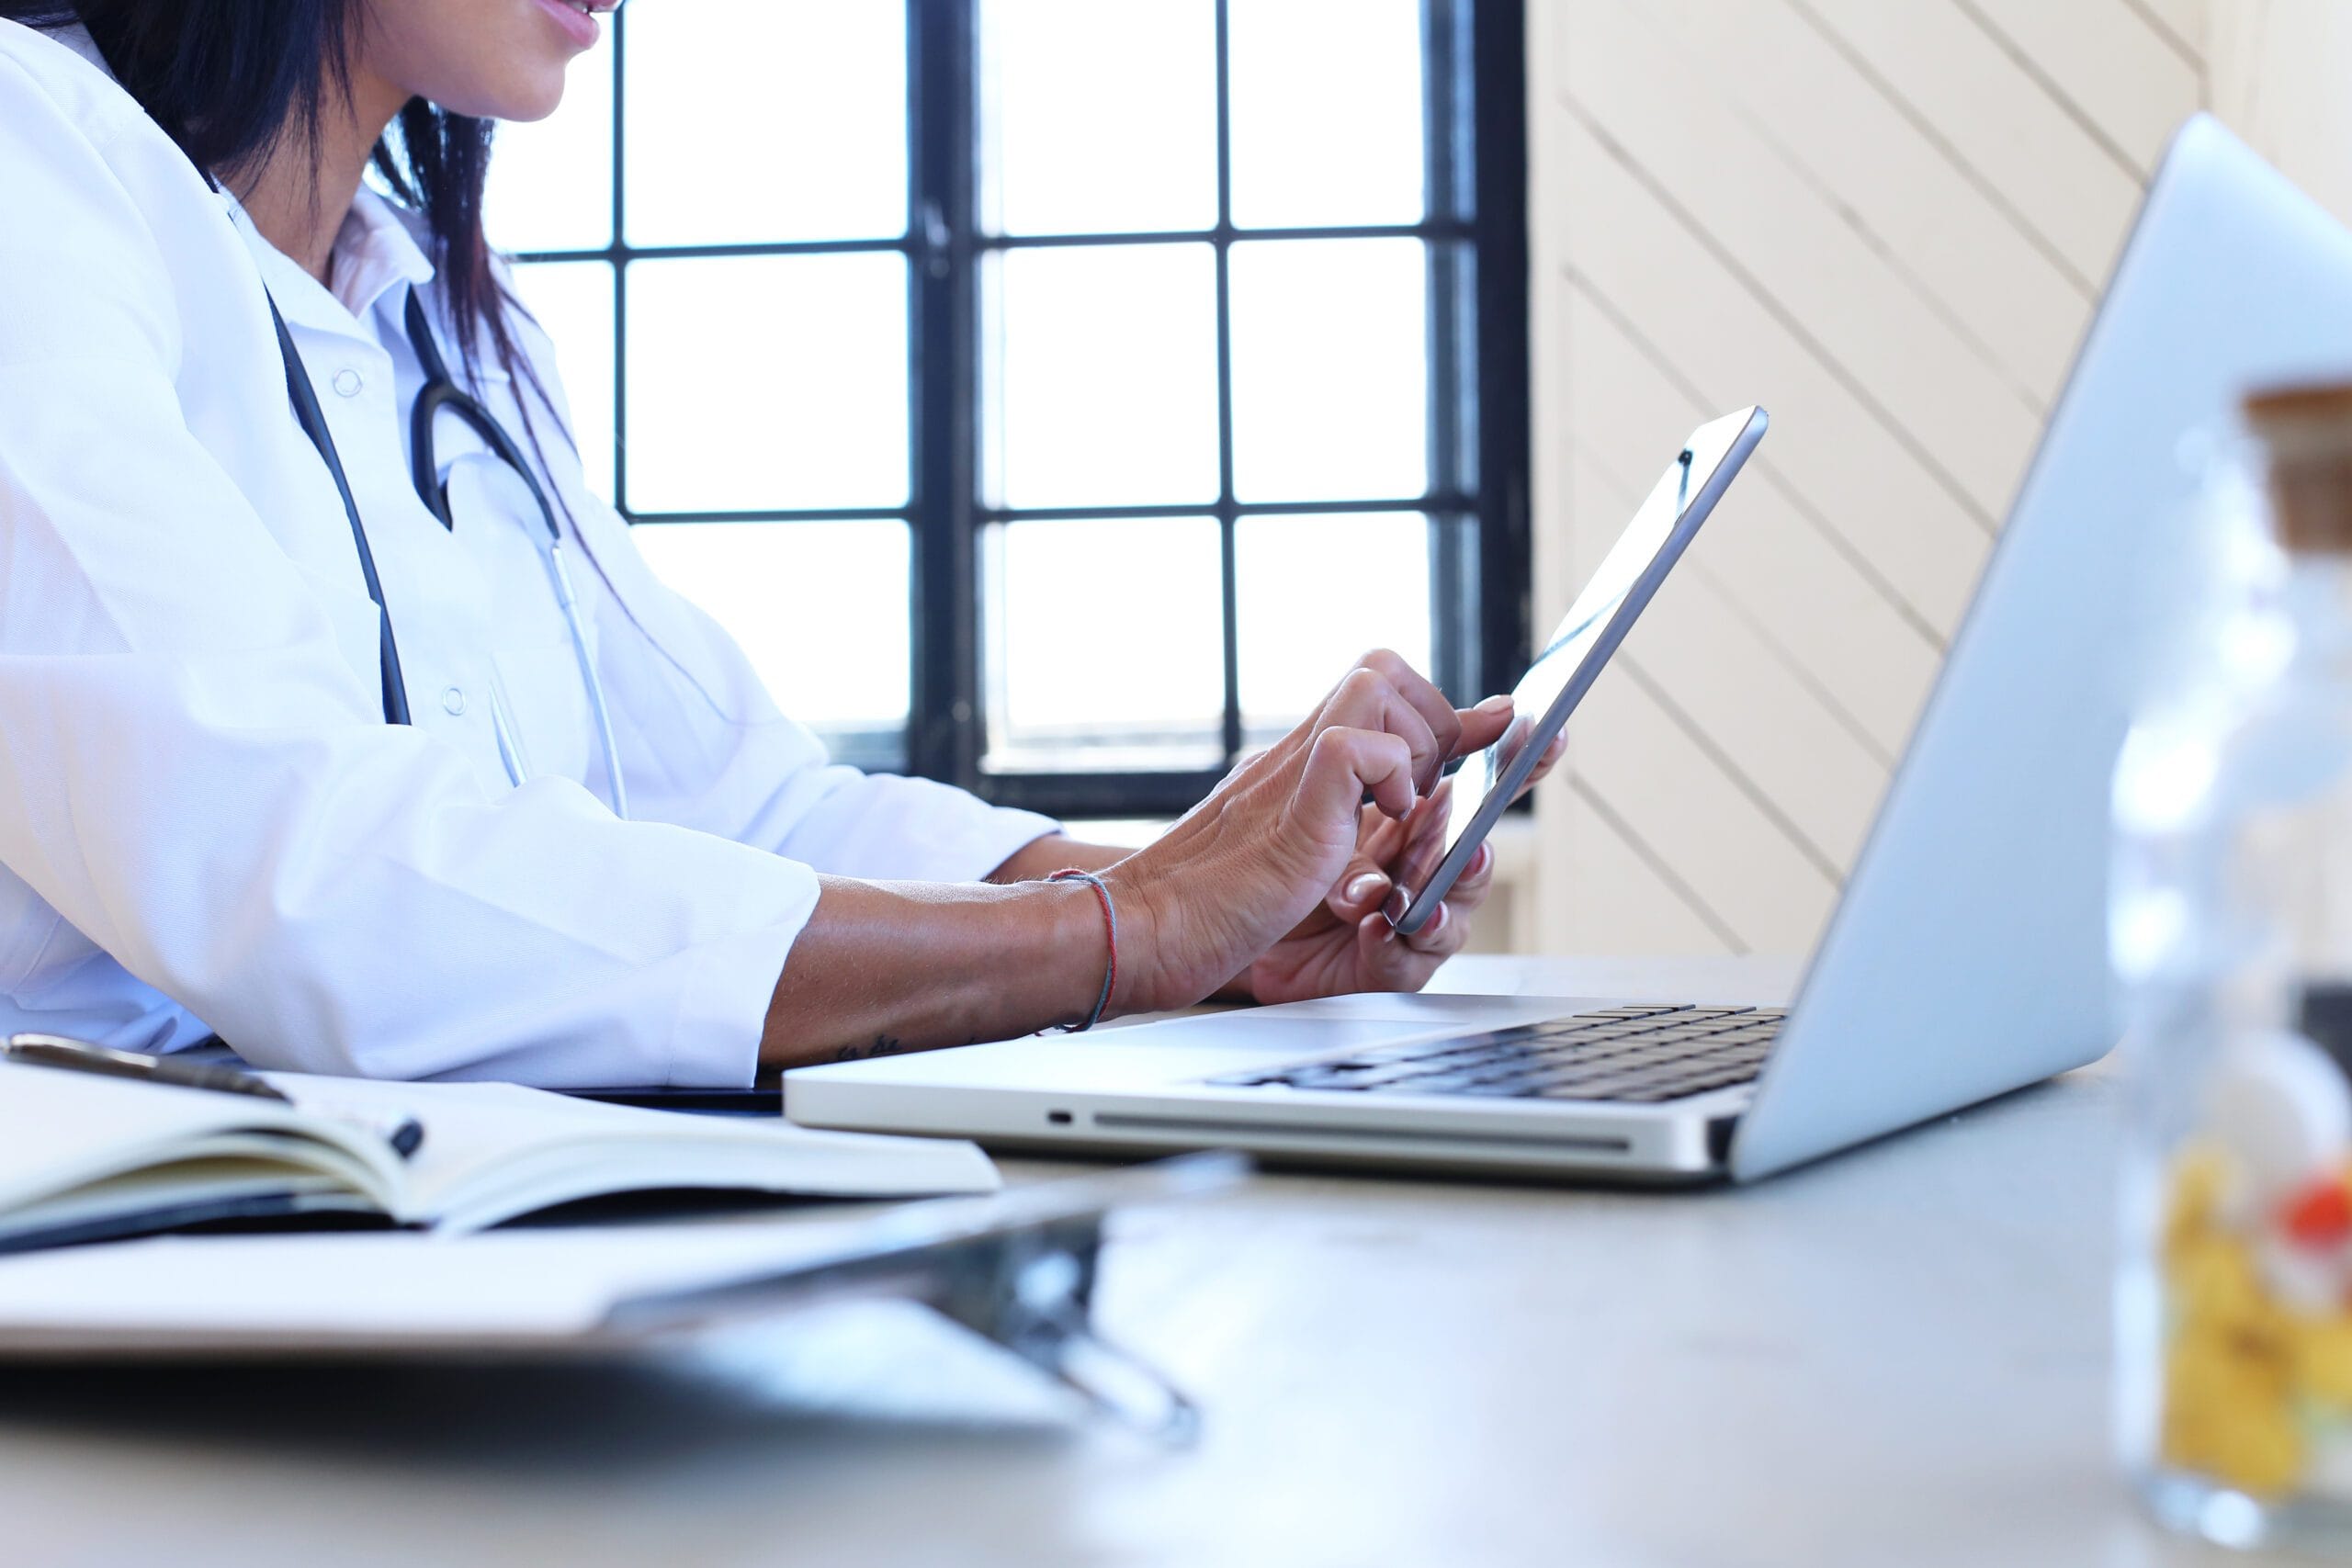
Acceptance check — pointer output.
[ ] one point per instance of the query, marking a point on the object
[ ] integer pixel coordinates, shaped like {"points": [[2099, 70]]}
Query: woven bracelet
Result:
{"points": [[1111, 924]]}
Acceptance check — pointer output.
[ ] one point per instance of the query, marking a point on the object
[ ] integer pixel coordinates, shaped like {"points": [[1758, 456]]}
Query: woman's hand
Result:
{"points": [[1257, 863], [1346, 944]]}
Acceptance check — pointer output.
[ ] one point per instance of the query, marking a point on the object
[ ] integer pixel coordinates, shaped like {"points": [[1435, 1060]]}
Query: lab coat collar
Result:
{"points": [[374, 253]]}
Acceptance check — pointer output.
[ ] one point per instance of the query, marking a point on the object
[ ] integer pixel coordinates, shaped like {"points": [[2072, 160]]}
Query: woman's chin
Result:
{"points": [[521, 95]]}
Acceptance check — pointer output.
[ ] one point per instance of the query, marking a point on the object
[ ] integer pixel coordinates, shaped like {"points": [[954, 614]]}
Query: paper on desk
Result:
{"points": [[391, 1285]]}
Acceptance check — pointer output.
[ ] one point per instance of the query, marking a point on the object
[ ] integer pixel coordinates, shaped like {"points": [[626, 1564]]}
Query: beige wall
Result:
{"points": [[2280, 69], [1888, 221]]}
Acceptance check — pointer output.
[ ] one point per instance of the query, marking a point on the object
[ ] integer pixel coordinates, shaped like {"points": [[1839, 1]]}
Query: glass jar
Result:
{"points": [[2232, 932]]}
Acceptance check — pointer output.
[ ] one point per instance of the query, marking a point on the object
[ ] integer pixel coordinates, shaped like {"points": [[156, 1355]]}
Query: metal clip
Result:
{"points": [[1034, 1297]]}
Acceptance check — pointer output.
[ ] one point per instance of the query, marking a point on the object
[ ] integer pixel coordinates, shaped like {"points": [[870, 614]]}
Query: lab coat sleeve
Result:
{"points": [[705, 745], [194, 774]]}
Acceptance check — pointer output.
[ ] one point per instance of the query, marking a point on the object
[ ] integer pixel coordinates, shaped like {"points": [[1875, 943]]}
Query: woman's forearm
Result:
{"points": [[883, 967]]}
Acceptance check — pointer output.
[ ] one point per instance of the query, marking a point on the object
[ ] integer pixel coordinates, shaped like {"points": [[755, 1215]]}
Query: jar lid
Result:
{"points": [[2306, 434]]}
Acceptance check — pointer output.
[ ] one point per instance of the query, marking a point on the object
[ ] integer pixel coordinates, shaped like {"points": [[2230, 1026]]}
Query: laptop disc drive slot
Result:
{"points": [[1225, 1127]]}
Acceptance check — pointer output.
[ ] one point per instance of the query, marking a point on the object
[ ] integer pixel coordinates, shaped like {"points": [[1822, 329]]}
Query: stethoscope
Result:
{"points": [[441, 394]]}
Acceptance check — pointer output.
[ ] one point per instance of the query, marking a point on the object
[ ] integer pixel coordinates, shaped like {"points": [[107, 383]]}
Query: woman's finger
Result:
{"points": [[1366, 700], [1550, 759], [1343, 765], [1388, 961], [1425, 838], [1418, 691], [1364, 886], [1444, 933], [1470, 889], [1482, 726], [1383, 961]]}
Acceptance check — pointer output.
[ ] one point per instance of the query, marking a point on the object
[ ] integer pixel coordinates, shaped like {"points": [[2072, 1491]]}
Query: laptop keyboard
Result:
{"points": [[1642, 1054]]}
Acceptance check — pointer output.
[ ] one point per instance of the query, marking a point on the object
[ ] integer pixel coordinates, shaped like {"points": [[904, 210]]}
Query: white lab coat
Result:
{"points": [[204, 822]]}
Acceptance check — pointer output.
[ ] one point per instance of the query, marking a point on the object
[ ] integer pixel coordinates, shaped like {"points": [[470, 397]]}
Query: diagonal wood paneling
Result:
{"points": [[2183, 24], [1954, 414], [1832, 627], [2105, 64], [1935, 228], [1934, 65], [1887, 222], [1620, 897], [1705, 332]]}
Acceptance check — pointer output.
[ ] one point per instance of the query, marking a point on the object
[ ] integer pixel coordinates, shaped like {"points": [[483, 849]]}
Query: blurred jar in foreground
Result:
{"points": [[2232, 933]]}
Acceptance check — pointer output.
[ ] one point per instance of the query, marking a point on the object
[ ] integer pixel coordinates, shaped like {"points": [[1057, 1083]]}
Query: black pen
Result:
{"points": [[81, 1056]]}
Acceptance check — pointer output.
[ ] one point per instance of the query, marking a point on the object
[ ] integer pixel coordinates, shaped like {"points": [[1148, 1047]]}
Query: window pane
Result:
{"points": [[1327, 112], [753, 120], [1098, 117], [822, 608], [552, 180], [1104, 644], [1103, 384], [1316, 591], [1330, 369], [574, 303], [760, 383]]}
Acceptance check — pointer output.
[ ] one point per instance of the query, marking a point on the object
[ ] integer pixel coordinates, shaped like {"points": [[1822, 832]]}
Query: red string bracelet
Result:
{"points": [[1111, 924]]}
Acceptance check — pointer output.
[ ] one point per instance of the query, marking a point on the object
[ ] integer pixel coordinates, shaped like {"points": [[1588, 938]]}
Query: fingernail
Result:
{"points": [[1495, 704], [1480, 861], [1445, 913], [1367, 887]]}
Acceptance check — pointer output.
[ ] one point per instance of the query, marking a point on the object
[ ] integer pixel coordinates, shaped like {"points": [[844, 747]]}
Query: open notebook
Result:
{"points": [[85, 1157]]}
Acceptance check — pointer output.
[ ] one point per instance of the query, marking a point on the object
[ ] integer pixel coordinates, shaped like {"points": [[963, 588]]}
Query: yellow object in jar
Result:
{"points": [[2321, 1365], [2235, 1356], [2200, 1177]]}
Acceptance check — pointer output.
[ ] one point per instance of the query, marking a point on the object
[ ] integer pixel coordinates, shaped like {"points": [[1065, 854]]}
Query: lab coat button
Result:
{"points": [[347, 383], [453, 702]]}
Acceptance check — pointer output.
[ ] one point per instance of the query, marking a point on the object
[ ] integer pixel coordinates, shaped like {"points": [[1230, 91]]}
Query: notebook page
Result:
{"points": [[60, 1130], [495, 1151]]}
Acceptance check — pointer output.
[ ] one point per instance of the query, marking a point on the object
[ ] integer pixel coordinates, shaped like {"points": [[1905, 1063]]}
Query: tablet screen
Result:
{"points": [[1589, 632]]}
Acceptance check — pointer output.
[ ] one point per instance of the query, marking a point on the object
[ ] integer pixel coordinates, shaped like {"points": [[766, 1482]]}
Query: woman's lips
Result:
{"points": [[577, 25]]}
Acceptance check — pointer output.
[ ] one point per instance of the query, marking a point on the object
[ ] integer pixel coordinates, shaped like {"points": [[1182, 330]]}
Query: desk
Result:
{"points": [[1897, 1356]]}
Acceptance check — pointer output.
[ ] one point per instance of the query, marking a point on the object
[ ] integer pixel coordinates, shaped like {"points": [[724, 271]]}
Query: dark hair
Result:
{"points": [[232, 80]]}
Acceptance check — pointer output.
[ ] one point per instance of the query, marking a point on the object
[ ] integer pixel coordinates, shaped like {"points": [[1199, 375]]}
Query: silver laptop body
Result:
{"points": [[1967, 956]]}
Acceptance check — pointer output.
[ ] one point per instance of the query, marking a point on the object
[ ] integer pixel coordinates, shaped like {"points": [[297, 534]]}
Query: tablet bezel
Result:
{"points": [[1409, 914]]}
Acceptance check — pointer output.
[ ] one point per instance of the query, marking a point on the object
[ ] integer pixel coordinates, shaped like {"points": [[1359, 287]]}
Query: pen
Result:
{"points": [[81, 1056]]}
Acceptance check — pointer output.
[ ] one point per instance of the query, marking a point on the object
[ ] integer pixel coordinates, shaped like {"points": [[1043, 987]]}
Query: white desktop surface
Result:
{"points": [[1896, 1357]]}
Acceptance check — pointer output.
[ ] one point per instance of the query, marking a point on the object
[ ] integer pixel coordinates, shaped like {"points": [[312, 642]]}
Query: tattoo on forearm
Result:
{"points": [[882, 1045]]}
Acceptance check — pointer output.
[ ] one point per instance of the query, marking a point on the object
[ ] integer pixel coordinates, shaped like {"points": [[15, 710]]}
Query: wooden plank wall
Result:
{"points": [[1888, 221]]}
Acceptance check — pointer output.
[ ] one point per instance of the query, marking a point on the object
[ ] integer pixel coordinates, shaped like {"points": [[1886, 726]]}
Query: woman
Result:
{"points": [[588, 850]]}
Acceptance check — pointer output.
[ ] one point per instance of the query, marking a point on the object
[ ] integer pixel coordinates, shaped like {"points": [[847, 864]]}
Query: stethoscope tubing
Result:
{"points": [[314, 420], [441, 393]]}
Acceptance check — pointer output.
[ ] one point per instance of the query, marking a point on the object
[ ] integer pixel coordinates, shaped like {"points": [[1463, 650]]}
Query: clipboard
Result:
{"points": [[1017, 1269]]}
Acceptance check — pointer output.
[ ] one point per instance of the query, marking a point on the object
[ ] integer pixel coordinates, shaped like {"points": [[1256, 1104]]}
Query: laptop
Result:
{"points": [[1967, 956]]}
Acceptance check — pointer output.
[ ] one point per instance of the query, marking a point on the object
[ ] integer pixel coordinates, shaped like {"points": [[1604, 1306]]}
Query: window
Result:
{"points": [[1052, 395]]}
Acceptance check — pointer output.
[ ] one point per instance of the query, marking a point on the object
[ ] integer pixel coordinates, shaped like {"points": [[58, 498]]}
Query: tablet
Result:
{"points": [[1487, 783]]}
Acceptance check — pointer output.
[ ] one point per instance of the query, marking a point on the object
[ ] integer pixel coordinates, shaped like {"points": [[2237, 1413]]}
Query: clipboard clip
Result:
{"points": [[1033, 1294]]}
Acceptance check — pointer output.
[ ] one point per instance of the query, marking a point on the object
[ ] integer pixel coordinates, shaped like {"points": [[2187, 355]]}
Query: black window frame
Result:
{"points": [[1474, 229]]}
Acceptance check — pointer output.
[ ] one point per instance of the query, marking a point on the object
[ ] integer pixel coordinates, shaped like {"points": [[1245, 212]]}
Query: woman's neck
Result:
{"points": [[299, 196]]}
